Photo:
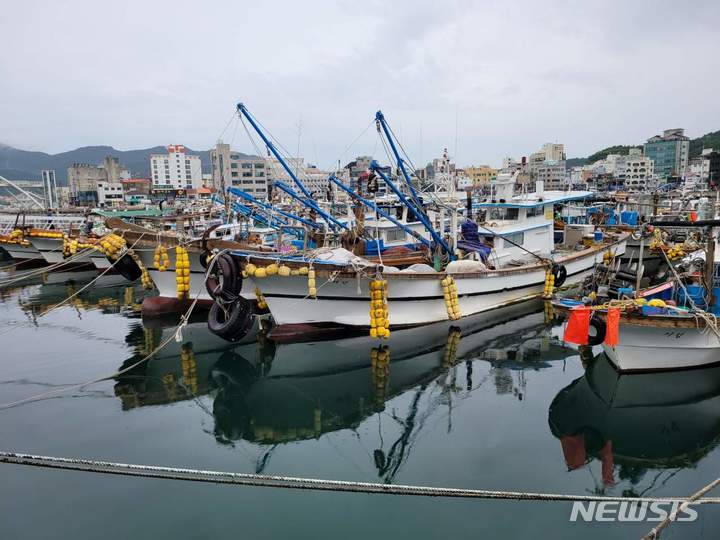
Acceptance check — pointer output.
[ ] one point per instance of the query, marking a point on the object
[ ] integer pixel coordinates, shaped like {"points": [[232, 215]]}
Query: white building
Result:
{"points": [[110, 194], [175, 170], [639, 171], [554, 151]]}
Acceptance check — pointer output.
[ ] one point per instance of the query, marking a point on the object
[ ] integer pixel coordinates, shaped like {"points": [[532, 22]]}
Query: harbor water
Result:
{"points": [[494, 402]]}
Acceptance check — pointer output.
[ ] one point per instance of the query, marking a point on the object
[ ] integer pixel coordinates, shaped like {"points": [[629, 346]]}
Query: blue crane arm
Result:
{"points": [[380, 119], [379, 210], [244, 112], [249, 212], [310, 204], [417, 213], [269, 207]]}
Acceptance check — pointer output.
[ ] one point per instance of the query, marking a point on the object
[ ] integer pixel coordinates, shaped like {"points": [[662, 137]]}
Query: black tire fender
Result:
{"points": [[127, 267], [560, 273], [224, 279], [600, 329], [231, 321]]}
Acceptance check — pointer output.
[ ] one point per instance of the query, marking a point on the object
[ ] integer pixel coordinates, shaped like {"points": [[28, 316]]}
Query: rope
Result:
{"points": [[175, 335], [101, 274], [293, 482], [695, 498], [44, 269]]}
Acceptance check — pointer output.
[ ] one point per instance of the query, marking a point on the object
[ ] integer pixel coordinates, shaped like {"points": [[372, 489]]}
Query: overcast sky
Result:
{"points": [[514, 74]]}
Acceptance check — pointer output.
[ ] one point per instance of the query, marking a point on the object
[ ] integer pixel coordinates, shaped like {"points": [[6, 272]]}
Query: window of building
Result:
{"points": [[260, 174], [234, 174], [247, 174], [246, 165], [233, 165], [259, 165]]}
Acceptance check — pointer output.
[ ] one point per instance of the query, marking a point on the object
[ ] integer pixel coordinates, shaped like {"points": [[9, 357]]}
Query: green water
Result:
{"points": [[492, 407]]}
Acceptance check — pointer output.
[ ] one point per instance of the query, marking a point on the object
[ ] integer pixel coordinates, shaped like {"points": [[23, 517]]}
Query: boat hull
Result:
{"points": [[20, 252], [165, 280], [647, 348], [51, 250], [413, 299]]}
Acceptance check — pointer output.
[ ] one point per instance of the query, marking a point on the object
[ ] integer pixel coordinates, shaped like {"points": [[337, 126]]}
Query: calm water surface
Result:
{"points": [[497, 404]]}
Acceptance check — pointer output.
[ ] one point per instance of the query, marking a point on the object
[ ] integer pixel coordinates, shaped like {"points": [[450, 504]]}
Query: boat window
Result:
{"points": [[535, 211], [393, 235], [503, 213], [516, 238]]}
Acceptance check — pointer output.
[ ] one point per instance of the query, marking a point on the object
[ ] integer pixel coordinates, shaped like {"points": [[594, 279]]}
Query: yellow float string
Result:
{"points": [[451, 346], [380, 367], [261, 303], [182, 272], [450, 293], [189, 368], [379, 314], [549, 283], [161, 259], [312, 289]]}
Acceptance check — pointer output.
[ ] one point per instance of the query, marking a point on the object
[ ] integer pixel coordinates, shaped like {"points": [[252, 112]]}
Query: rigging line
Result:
{"points": [[183, 321], [45, 269], [341, 157], [292, 482], [93, 281], [228, 124]]}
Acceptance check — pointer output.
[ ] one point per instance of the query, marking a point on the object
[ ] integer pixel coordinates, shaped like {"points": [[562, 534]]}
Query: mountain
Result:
{"points": [[16, 164], [709, 140]]}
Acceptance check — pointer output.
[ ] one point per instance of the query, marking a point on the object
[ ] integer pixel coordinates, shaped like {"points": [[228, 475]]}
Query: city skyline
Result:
{"points": [[499, 80]]}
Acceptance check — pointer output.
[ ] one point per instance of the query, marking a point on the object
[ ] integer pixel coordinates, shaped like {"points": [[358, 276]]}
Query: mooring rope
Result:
{"points": [[693, 499], [293, 482], [176, 334]]}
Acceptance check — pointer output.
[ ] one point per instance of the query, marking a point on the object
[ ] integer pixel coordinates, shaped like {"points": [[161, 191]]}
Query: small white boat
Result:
{"points": [[664, 342]]}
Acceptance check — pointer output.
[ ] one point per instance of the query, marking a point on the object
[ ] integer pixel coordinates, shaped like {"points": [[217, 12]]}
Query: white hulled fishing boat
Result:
{"points": [[522, 249]]}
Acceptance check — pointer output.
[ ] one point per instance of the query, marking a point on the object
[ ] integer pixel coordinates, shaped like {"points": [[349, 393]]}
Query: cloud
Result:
{"points": [[515, 75]]}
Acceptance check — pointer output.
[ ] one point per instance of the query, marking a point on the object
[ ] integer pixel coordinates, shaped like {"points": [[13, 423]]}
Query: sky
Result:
{"points": [[483, 79]]}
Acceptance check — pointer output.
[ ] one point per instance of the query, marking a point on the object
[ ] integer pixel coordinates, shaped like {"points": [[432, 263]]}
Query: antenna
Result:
{"points": [[456, 133]]}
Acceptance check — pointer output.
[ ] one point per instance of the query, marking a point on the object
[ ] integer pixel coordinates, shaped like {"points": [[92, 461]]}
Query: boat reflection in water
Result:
{"points": [[637, 421], [269, 394]]}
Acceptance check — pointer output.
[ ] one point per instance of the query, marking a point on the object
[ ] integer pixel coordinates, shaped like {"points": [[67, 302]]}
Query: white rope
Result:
{"points": [[293, 482]]}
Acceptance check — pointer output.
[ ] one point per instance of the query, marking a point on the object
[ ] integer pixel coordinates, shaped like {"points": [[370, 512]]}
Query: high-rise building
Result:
{"points": [[233, 169], [637, 171], [89, 183], [480, 175], [175, 170], [669, 152]]}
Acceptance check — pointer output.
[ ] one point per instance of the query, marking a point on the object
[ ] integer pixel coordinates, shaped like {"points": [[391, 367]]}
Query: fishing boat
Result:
{"points": [[15, 232], [664, 326], [508, 256], [522, 244]]}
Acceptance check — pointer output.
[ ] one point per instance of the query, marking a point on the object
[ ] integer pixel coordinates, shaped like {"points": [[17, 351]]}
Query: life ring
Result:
{"points": [[127, 267], [224, 278], [231, 321], [636, 234], [559, 273], [600, 330]]}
